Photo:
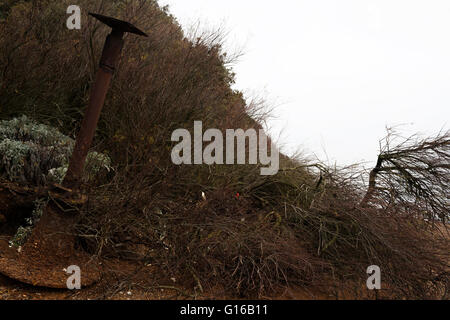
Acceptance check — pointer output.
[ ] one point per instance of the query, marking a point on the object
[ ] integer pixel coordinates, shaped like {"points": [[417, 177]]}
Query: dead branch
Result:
{"points": [[415, 173]]}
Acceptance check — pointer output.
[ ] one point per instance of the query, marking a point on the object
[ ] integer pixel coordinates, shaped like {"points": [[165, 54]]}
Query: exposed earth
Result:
{"points": [[164, 289]]}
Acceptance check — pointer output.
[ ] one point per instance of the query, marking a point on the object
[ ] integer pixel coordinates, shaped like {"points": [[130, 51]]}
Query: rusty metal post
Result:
{"points": [[110, 56]]}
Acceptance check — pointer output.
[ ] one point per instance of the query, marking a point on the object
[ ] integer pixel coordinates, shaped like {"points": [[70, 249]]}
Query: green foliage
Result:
{"points": [[24, 129], [21, 236], [23, 232], [96, 162]]}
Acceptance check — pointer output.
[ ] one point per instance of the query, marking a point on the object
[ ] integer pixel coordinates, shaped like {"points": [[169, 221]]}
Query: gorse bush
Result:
{"points": [[36, 154]]}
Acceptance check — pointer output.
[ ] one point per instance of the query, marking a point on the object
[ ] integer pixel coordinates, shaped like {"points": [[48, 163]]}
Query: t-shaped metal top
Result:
{"points": [[118, 25]]}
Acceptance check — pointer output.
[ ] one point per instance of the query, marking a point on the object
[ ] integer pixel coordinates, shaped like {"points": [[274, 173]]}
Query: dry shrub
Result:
{"points": [[225, 241], [399, 225]]}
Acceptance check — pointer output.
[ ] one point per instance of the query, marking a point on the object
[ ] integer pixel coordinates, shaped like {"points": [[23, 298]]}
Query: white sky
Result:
{"points": [[340, 71]]}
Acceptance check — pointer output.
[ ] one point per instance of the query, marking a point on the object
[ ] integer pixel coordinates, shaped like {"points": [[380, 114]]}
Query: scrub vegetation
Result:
{"points": [[208, 227]]}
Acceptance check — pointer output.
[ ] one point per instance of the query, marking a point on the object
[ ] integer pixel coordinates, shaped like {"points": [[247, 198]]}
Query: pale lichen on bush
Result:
{"points": [[14, 154], [25, 129], [36, 153]]}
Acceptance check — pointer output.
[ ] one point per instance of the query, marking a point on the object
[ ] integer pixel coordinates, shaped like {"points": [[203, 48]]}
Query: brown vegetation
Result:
{"points": [[309, 225]]}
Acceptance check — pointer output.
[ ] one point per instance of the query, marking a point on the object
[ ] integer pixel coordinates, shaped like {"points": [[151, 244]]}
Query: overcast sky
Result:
{"points": [[339, 71]]}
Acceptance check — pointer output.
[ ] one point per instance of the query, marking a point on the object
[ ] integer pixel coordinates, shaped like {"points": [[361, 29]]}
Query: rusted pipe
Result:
{"points": [[110, 56]]}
